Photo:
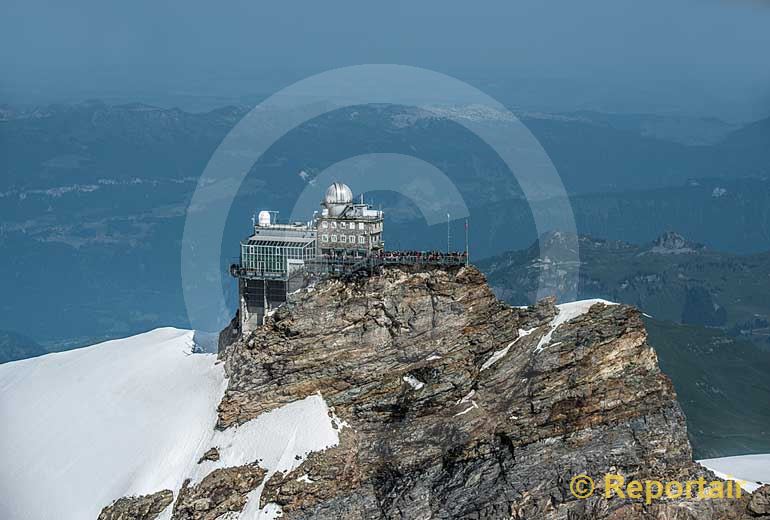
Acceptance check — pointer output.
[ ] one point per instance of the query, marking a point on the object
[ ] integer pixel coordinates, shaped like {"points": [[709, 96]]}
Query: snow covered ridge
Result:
{"points": [[133, 417], [500, 354], [567, 312], [754, 470]]}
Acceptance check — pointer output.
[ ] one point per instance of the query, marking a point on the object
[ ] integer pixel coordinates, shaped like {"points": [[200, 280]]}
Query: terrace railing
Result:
{"points": [[327, 265], [347, 265]]}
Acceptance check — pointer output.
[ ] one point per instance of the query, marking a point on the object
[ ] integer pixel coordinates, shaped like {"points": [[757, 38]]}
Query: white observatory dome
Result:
{"points": [[264, 218], [338, 193]]}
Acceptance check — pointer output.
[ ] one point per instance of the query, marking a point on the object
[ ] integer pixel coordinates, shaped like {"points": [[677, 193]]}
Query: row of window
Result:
{"points": [[272, 258], [347, 239], [347, 225]]}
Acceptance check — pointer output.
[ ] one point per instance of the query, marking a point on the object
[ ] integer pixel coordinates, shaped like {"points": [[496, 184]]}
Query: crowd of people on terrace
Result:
{"points": [[406, 256]]}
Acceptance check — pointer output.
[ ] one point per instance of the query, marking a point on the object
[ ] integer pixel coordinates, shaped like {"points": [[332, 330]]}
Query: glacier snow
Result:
{"points": [[132, 417]]}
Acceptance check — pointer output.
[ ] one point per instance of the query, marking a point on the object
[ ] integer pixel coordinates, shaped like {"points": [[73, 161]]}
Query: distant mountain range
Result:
{"points": [[14, 346], [707, 318], [721, 383], [93, 196], [685, 130], [593, 152], [670, 279]]}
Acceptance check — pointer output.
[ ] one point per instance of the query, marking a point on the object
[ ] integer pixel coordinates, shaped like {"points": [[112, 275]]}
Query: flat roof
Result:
{"points": [[276, 240]]}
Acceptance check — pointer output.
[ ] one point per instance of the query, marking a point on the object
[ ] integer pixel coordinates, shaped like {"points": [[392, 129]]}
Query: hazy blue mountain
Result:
{"points": [[748, 148], [93, 197], [721, 383], [679, 129], [594, 152], [60, 146], [14, 346], [671, 279]]}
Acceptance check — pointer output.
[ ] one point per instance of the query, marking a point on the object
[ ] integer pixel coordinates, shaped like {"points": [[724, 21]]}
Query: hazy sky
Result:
{"points": [[706, 57]]}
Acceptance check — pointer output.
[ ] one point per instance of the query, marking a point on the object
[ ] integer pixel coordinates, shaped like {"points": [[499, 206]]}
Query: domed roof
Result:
{"points": [[338, 193], [264, 218]]}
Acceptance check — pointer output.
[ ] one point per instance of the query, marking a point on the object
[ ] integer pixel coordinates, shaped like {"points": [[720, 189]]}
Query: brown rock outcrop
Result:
{"points": [[145, 507], [222, 491], [759, 503], [456, 405], [212, 454], [461, 406]]}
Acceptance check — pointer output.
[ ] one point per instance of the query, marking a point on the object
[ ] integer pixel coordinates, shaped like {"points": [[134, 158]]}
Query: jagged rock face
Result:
{"points": [[146, 507], [459, 406], [220, 492], [212, 455], [674, 243], [759, 504]]}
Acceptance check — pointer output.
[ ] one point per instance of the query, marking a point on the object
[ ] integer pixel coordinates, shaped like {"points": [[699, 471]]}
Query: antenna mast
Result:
{"points": [[448, 235], [467, 257]]}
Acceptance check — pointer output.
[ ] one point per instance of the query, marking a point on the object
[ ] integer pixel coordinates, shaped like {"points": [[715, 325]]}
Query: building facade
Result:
{"points": [[346, 228], [271, 266], [276, 259]]}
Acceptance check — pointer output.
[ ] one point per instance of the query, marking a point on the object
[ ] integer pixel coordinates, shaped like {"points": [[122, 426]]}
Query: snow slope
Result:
{"points": [[568, 311], [85, 427], [500, 354], [751, 468], [131, 417]]}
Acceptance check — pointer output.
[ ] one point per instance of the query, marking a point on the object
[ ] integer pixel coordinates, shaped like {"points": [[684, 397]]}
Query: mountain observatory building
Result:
{"points": [[343, 237]]}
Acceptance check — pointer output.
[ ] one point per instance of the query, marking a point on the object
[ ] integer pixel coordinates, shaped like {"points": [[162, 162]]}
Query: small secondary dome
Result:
{"points": [[338, 193], [264, 219]]}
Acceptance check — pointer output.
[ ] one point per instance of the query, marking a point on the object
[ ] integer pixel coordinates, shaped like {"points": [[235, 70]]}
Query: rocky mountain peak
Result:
{"points": [[455, 405], [415, 393], [671, 242]]}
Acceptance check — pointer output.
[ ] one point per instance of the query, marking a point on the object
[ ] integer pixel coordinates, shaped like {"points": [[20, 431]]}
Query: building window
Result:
{"points": [[334, 238], [324, 224], [343, 238], [352, 239], [324, 238], [361, 239], [334, 226], [343, 225], [361, 226]]}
